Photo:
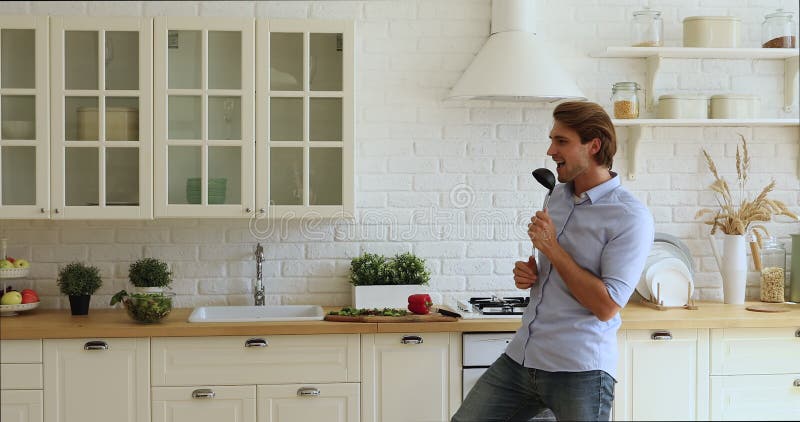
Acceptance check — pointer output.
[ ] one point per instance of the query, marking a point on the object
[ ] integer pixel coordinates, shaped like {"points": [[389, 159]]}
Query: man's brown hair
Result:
{"points": [[590, 121]]}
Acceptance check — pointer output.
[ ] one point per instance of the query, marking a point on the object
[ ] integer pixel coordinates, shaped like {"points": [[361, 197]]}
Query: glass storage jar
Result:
{"points": [[647, 28], [625, 97], [779, 30], [773, 270]]}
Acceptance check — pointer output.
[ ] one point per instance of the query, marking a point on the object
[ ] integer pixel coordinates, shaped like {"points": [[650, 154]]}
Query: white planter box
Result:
{"points": [[393, 296]]}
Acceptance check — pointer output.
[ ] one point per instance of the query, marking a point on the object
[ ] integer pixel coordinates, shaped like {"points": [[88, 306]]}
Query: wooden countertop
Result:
{"points": [[52, 323]]}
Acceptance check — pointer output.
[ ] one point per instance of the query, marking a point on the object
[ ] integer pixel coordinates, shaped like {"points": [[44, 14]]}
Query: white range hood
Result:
{"points": [[514, 64]]}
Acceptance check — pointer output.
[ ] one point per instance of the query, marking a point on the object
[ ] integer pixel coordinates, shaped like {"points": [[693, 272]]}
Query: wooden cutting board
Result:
{"points": [[772, 307], [407, 318]]}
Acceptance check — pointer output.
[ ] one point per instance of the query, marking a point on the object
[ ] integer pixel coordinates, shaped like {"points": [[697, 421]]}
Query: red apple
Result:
{"points": [[29, 298], [10, 259]]}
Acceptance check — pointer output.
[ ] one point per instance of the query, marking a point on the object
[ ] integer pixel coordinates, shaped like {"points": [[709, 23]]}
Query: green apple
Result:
{"points": [[22, 263], [6, 264], [11, 298]]}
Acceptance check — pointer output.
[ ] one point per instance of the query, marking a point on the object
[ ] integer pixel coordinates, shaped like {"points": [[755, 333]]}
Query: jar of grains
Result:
{"points": [[773, 270], [779, 30], [625, 96], [646, 29]]}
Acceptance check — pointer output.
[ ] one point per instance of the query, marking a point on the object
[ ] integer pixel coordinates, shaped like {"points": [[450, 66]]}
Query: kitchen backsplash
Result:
{"points": [[448, 181]]}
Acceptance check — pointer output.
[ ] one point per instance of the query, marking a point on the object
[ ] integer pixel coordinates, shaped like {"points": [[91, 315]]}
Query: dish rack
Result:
{"points": [[658, 304]]}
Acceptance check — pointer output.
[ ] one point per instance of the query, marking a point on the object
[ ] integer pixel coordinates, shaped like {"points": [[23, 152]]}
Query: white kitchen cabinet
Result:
{"points": [[204, 125], [309, 402], [101, 80], [24, 118], [21, 381], [89, 379], [662, 375], [305, 125], [204, 404], [410, 377], [755, 373]]}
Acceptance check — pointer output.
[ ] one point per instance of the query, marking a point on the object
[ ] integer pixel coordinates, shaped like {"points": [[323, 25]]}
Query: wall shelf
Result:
{"points": [[653, 56], [634, 128]]}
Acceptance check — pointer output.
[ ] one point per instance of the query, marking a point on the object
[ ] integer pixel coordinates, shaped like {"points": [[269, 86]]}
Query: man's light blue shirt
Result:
{"points": [[609, 233]]}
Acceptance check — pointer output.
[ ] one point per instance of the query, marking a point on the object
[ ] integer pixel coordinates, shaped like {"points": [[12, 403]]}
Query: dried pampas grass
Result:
{"points": [[737, 219]]}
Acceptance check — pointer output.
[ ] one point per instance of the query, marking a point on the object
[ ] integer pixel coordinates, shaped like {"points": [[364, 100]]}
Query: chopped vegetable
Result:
{"points": [[420, 304], [348, 311]]}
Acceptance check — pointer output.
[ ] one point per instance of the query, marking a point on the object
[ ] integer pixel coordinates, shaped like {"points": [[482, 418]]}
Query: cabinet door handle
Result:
{"points": [[41, 210], [308, 392], [203, 393], [796, 382], [797, 333], [57, 211], [95, 345], [248, 210], [661, 335], [256, 342], [261, 210], [411, 340]]}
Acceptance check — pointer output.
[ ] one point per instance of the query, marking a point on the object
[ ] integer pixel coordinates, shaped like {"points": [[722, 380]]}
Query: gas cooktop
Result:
{"points": [[493, 307]]}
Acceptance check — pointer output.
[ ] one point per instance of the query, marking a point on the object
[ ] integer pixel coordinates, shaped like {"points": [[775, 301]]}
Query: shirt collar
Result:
{"points": [[597, 192]]}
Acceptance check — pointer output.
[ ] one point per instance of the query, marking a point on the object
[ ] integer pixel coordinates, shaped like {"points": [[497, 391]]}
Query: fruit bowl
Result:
{"points": [[14, 272], [148, 307], [11, 310]]}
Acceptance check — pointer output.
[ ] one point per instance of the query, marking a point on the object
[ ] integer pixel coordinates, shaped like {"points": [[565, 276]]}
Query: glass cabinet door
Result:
{"points": [[204, 108], [305, 124], [102, 119], [24, 135]]}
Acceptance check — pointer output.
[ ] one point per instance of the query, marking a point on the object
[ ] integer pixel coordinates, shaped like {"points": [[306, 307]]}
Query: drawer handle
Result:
{"points": [[308, 392], [95, 345], [203, 393], [256, 342], [411, 340], [796, 382], [661, 335]]}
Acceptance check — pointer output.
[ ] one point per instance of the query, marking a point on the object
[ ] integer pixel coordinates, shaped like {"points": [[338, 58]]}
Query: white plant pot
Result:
{"points": [[393, 296]]}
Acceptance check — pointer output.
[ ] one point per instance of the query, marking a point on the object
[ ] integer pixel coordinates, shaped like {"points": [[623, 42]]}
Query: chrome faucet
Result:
{"points": [[258, 293]]}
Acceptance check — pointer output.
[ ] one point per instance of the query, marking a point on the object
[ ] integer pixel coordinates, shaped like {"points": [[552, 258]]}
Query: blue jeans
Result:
{"points": [[508, 391]]}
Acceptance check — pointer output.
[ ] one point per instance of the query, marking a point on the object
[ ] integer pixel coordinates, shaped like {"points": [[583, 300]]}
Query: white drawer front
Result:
{"points": [[755, 397], [754, 351], [21, 376], [308, 402], [204, 403], [21, 406], [20, 351], [227, 360]]}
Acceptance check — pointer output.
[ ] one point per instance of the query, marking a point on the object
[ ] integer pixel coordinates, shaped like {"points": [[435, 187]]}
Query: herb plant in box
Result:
{"points": [[149, 303], [79, 281], [380, 282]]}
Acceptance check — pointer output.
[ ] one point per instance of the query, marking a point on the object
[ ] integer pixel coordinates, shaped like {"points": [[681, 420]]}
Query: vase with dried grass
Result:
{"points": [[737, 216]]}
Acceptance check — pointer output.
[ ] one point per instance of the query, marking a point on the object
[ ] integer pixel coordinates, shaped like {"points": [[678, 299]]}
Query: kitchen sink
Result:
{"points": [[257, 313]]}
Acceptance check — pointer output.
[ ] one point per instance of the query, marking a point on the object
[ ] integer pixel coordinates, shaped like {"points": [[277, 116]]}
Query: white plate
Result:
{"points": [[671, 281], [656, 254], [11, 310]]}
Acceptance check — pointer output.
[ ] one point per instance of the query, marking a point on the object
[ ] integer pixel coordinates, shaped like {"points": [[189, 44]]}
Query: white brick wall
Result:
{"points": [[445, 180]]}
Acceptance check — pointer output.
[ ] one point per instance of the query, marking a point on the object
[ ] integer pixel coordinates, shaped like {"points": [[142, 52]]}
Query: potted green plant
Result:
{"points": [[148, 303], [79, 281], [381, 282]]}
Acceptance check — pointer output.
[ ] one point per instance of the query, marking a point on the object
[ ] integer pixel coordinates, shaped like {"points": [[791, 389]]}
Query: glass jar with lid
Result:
{"points": [[625, 97], [779, 30], [773, 270], [647, 28]]}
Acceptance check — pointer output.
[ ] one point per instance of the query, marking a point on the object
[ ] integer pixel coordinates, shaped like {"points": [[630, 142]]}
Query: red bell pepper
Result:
{"points": [[420, 304]]}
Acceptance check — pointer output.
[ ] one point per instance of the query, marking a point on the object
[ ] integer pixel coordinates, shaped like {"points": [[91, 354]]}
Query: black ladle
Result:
{"points": [[545, 178]]}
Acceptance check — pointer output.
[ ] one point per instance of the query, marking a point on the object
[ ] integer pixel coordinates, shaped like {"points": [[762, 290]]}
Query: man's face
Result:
{"points": [[572, 158]]}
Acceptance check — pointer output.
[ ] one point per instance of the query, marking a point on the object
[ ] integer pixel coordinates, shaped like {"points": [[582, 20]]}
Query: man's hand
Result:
{"points": [[525, 273]]}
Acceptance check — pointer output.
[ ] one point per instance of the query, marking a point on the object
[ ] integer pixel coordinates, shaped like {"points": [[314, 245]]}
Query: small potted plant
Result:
{"points": [[149, 303], [380, 282], [79, 281]]}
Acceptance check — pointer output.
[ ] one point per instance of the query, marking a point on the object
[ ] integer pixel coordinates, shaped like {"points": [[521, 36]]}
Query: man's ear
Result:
{"points": [[595, 145]]}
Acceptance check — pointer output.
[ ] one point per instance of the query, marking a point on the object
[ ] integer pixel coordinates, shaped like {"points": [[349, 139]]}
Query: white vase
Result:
{"points": [[391, 296], [732, 265]]}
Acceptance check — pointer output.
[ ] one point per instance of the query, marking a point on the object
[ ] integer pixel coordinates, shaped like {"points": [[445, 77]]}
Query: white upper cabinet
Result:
{"points": [[204, 108], [305, 122], [24, 119], [101, 132]]}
